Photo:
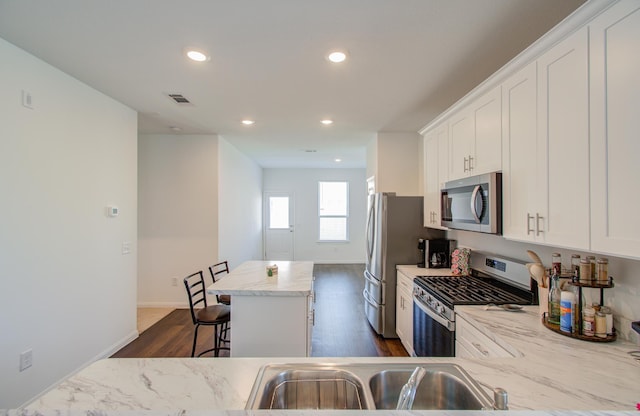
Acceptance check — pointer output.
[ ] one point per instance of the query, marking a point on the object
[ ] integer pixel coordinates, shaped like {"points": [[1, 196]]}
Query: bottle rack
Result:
{"points": [[578, 333]]}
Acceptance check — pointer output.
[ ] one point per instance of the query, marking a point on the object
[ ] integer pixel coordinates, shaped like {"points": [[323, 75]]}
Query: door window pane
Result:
{"points": [[278, 212]]}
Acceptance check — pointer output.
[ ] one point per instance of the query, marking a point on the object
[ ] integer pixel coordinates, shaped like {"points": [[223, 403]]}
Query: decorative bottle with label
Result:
{"points": [[554, 300]]}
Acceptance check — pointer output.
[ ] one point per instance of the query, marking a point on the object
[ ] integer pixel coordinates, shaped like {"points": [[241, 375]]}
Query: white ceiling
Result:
{"points": [[408, 61]]}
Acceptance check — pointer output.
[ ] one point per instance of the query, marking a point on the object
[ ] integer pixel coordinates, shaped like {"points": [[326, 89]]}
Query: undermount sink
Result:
{"points": [[364, 386], [438, 390], [312, 389]]}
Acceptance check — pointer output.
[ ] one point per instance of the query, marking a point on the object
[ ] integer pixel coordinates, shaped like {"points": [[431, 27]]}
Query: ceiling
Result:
{"points": [[408, 60]]}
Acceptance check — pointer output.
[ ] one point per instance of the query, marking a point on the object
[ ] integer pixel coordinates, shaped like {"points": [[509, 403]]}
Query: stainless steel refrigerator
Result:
{"points": [[394, 225]]}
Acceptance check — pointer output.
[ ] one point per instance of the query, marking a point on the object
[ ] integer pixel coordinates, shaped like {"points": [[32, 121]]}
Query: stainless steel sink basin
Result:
{"points": [[321, 388], [363, 386], [438, 390]]}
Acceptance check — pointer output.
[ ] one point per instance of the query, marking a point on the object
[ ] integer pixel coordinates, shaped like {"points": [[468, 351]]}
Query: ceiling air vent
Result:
{"points": [[179, 98]]}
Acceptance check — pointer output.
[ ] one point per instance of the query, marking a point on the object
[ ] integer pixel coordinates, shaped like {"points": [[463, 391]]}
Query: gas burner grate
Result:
{"points": [[467, 290]]}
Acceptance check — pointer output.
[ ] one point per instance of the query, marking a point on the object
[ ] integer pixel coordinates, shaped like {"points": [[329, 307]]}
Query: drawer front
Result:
{"points": [[477, 343]]}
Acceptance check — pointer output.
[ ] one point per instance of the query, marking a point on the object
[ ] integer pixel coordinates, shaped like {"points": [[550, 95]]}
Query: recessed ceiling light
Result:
{"points": [[326, 121], [197, 55], [247, 122], [337, 57], [175, 128], [338, 160]]}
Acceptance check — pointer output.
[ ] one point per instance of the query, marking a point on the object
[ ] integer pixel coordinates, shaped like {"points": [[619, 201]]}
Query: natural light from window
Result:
{"points": [[278, 212], [333, 211]]}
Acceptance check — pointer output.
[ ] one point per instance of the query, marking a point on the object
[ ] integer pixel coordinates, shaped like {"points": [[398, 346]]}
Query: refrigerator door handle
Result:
{"points": [[373, 303], [368, 276], [370, 231]]}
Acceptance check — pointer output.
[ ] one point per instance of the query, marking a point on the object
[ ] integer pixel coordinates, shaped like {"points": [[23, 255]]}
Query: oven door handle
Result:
{"points": [[451, 326]]}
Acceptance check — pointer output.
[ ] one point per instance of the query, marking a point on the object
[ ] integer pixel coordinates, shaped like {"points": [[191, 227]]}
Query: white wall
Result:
{"points": [[624, 297], [393, 158], [199, 203], [239, 206], [66, 291], [303, 184], [177, 214]]}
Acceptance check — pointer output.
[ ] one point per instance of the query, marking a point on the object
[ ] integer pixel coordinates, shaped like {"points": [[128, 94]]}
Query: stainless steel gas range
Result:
{"points": [[493, 279]]}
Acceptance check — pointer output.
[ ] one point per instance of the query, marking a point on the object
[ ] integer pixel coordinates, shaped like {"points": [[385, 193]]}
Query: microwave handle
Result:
{"points": [[474, 197]]}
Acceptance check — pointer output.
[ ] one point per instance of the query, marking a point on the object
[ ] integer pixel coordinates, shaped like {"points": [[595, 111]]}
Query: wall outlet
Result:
{"points": [[126, 247], [26, 359], [174, 281]]}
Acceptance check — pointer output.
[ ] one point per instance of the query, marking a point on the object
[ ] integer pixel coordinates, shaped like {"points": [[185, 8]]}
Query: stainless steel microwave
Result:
{"points": [[473, 203]]}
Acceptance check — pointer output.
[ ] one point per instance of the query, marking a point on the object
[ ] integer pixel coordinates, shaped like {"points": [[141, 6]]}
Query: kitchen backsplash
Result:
{"points": [[624, 298]]}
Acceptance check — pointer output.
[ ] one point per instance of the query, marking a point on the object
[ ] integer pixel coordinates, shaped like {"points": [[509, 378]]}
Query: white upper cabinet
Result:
{"points": [[436, 149], [563, 143], [475, 141], [615, 124], [519, 155], [546, 148]]}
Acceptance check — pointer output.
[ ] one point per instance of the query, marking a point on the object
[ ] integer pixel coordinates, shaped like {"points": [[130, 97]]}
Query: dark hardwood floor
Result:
{"points": [[341, 329]]}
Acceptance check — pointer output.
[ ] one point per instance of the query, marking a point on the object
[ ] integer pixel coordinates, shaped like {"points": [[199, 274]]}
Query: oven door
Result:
{"points": [[433, 335]]}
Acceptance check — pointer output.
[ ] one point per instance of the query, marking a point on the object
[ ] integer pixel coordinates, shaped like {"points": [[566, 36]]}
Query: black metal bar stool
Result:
{"points": [[217, 316]]}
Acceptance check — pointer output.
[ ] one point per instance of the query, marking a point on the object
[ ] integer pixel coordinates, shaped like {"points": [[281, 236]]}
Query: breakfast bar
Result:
{"points": [[271, 313]]}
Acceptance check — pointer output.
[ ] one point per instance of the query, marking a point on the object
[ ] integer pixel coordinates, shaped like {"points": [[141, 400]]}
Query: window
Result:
{"points": [[278, 212], [333, 210]]}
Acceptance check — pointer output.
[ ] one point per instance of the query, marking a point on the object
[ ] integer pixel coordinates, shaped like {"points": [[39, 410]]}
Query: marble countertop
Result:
{"points": [[295, 278], [553, 373], [413, 271]]}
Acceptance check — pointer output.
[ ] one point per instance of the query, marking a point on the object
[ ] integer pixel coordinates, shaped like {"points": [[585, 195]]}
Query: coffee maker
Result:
{"points": [[436, 254]]}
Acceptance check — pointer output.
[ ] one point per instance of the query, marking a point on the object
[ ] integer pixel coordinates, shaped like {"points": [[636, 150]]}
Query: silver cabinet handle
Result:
{"points": [[470, 165], [529, 229], [466, 169], [538, 228]]}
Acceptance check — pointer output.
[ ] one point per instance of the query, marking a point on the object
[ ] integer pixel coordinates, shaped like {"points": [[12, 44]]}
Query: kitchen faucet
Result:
{"points": [[408, 392]]}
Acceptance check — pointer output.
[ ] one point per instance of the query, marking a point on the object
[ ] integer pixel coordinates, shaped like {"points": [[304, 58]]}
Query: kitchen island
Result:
{"points": [[271, 316]]}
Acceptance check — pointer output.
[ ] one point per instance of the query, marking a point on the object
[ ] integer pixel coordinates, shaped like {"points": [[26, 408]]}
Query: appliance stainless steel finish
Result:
{"points": [[394, 224], [473, 203], [494, 279]]}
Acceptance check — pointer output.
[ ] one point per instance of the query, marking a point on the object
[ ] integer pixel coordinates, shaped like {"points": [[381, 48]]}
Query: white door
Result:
{"points": [[278, 215]]}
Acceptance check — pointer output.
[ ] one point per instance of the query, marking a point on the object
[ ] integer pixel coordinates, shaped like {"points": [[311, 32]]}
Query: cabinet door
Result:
{"points": [[615, 123], [563, 142], [487, 155], [519, 155], [461, 132], [404, 311], [436, 151]]}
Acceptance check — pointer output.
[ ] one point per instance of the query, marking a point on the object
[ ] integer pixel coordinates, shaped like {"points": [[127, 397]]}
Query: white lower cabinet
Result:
{"points": [[472, 343], [615, 123], [404, 311]]}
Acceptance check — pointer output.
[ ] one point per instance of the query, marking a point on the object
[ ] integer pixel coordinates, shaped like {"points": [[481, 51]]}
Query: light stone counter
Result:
{"points": [[552, 374], [413, 271], [295, 278]]}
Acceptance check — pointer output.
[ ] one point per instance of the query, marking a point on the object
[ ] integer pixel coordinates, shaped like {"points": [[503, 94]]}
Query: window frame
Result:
{"points": [[345, 216]]}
